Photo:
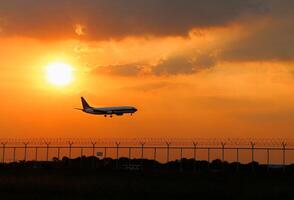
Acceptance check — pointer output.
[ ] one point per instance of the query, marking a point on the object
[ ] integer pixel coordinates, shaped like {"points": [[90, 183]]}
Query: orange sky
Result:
{"points": [[228, 75]]}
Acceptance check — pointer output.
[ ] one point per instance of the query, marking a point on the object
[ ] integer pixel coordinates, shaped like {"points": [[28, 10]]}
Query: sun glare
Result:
{"points": [[59, 74]]}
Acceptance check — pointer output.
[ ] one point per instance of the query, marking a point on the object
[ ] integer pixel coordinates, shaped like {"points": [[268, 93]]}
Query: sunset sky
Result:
{"points": [[193, 68]]}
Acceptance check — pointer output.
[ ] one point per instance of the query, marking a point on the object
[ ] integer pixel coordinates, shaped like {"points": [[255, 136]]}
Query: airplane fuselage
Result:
{"points": [[120, 110]]}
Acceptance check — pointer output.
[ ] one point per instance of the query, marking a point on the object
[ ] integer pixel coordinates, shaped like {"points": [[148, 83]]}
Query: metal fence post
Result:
{"points": [[93, 154], [3, 152], [105, 152], [14, 154], [82, 151], [58, 153], [25, 150], [237, 152], [93, 148], [181, 159], [36, 153], [167, 152], [195, 154], [223, 151], [117, 154], [142, 150], [142, 155], [154, 157], [81, 157], [47, 150], [252, 156], [69, 149], [130, 155], [208, 155], [284, 156], [268, 159]]}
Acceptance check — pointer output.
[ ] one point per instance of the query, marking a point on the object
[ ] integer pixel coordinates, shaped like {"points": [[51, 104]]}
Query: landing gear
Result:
{"points": [[110, 115], [105, 115]]}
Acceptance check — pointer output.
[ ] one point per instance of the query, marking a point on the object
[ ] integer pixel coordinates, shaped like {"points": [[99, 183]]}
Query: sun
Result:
{"points": [[59, 73]]}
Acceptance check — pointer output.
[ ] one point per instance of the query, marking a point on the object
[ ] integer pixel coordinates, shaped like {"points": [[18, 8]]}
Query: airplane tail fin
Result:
{"points": [[84, 103]]}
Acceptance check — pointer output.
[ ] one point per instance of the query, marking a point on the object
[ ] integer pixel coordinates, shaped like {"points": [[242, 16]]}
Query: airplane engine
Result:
{"points": [[109, 112]]}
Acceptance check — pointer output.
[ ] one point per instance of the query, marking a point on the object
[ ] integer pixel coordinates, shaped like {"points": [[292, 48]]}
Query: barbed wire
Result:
{"points": [[258, 142]]}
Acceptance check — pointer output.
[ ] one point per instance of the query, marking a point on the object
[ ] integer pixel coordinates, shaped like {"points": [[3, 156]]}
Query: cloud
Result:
{"points": [[158, 86], [121, 70], [184, 65], [174, 65], [266, 44], [271, 40], [107, 19]]}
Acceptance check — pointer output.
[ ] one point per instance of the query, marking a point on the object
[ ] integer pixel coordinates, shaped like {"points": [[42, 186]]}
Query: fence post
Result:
{"points": [[36, 153], [93, 154], [208, 155], [69, 149], [105, 152], [25, 150], [268, 158], [58, 153], [142, 155], [47, 150], [284, 156], [181, 161], [3, 152], [252, 156], [130, 155], [81, 158], [195, 153], [117, 154], [154, 157], [223, 151], [82, 151], [167, 152], [142, 150], [237, 152], [14, 154], [93, 148]]}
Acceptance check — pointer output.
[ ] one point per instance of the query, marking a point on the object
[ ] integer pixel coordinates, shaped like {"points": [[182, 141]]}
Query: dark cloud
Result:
{"points": [[266, 44], [204, 61], [174, 65], [184, 65], [272, 41], [121, 70], [105, 19]]}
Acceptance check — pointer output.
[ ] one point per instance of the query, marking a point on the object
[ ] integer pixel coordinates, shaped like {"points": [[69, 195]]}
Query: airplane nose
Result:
{"points": [[135, 109]]}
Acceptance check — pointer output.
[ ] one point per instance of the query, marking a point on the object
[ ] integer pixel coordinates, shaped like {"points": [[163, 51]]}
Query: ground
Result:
{"points": [[92, 184]]}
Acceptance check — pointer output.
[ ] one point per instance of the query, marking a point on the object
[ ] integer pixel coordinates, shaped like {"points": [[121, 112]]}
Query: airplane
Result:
{"points": [[120, 110]]}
